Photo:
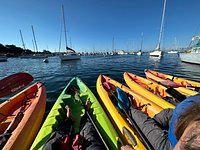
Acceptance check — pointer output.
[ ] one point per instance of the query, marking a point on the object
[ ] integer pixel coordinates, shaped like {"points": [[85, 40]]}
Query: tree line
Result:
{"points": [[14, 51]]}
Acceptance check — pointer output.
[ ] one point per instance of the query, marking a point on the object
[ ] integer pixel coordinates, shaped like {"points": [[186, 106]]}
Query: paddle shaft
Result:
{"points": [[87, 113], [140, 133]]}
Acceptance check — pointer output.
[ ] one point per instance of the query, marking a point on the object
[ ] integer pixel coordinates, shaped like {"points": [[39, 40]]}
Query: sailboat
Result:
{"points": [[192, 55], [70, 54], [36, 55], [157, 52], [140, 51]]}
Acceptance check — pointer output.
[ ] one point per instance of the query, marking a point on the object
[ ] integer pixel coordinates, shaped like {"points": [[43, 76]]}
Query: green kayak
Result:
{"points": [[57, 115]]}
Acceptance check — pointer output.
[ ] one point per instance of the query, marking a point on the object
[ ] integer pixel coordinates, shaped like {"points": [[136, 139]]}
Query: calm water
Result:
{"points": [[56, 75]]}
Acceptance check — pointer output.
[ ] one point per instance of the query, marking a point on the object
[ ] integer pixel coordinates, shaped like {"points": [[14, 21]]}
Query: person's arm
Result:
{"points": [[163, 118], [156, 136]]}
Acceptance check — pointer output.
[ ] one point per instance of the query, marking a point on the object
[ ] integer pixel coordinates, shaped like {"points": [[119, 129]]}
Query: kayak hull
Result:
{"points": [[25, 132], [57, 115]]}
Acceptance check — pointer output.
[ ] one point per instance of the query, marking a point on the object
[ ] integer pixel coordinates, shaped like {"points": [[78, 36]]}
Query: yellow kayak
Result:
{"points": [[156, 88], [158, 78], [116, 118], [146, 93], [182, 81]]}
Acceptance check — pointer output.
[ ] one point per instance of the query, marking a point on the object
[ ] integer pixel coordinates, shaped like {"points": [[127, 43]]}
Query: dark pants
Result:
{"points": [[155, 129], [91, 139]]}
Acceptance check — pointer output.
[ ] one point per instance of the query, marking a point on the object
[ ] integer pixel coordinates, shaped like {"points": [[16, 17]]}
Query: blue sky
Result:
{"points": [[92, 24]]}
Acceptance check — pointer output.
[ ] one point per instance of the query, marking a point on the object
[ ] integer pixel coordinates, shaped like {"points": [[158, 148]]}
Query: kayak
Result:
{"points": [[151, 75], [22, 114], [57, 115], [184, 82], [147, 84], [154, 87], [116, 118], [146, 93]]}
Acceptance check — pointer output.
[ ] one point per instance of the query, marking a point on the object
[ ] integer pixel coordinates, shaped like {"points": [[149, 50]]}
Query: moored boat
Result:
{"points": [[70, 54], [57, 115], [157, 52], [21, 117], [192, 55]]}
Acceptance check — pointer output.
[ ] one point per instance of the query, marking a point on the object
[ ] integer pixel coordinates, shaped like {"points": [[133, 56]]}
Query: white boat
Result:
{"points": [[139, 53], [45, 60], [157, 52], [70, 54], [3, 58], [172, 52], [122, 52], [192, 55]]}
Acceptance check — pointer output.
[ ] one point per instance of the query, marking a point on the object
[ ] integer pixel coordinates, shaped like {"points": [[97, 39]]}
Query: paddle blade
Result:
{"points": [[177, 95], [14, 82], [171, 84]]}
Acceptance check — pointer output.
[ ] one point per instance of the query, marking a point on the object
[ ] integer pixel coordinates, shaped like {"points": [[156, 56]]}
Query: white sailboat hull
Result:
{"points": [[69, 57], [156, 53], [193, 58], [139, 53]]}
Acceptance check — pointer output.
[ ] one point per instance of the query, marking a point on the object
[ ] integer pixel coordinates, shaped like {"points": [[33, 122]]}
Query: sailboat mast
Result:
{"points": [[63, 14], [22, 39], [161, 25], [141, 41], [34, 38]]}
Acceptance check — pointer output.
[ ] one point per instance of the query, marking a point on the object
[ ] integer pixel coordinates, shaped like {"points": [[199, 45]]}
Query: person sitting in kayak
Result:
{"points": [[172, 129], [62, 138]]}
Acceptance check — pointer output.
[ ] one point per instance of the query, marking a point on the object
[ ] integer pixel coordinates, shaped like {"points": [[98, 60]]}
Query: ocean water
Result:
{"points": [[56, 75]]}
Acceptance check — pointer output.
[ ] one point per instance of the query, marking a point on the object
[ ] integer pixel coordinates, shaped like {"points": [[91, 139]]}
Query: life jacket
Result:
{"points": [[122, 96], [180, 108]]}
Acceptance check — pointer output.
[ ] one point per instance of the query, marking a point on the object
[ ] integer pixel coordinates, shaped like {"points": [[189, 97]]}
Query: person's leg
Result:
{"points": [[92, 139], [163, 118], [156, 136]]}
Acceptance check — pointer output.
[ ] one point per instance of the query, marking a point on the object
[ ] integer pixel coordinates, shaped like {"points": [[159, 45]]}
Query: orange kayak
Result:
{"points": [[137, 88], [152, 75], [182, 81], [22, 115]]}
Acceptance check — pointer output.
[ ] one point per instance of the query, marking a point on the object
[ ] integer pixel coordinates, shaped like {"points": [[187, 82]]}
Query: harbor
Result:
{"points": [[113, 75]]}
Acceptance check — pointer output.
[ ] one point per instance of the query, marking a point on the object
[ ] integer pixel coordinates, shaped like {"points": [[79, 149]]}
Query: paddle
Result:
{"points": [[170, 90], [176, 85], [77, 95], [134, 124], [14, 82]]}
